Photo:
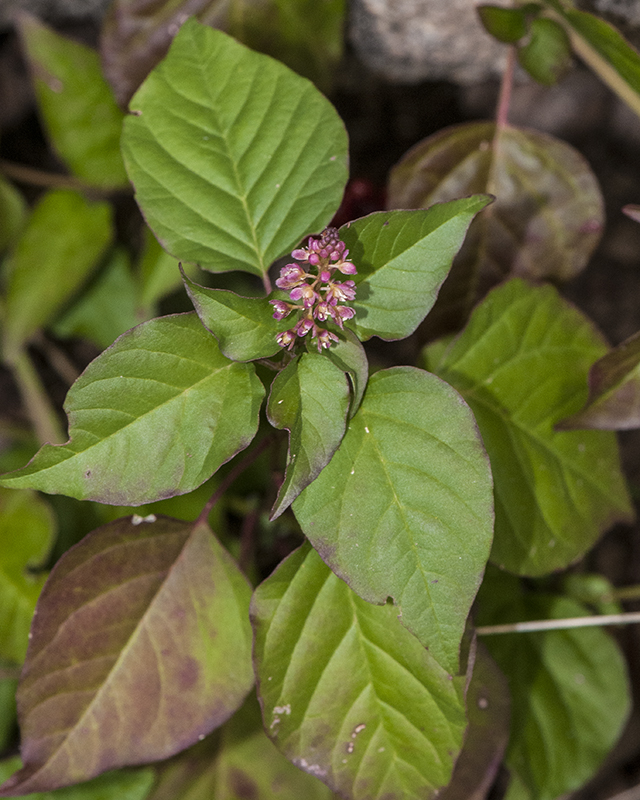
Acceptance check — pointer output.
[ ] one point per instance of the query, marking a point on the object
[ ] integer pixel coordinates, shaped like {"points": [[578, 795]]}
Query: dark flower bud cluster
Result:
{"points": [[316, 296]]}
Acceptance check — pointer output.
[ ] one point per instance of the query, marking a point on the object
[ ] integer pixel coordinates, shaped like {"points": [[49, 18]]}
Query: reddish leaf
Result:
{"points": [[614, 391], [140, 645]]}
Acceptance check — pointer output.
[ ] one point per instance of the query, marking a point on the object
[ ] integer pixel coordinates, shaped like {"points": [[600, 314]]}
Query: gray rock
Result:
{"points": [[408, 41]]}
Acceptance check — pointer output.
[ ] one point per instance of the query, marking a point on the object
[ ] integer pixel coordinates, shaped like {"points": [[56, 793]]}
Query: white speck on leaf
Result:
{"points": [[136, 519], [483, 702], [282, 709], [366, 429]]}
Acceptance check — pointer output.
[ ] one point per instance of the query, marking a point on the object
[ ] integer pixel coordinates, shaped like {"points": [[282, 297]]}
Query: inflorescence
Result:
{"points": [[318, 296]]}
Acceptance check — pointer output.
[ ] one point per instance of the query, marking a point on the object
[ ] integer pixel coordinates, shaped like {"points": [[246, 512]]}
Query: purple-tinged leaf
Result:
{"points": [[27, 529], [140, 645], [152, 417], [402, 259], [405, 507], [488, 707], [614, 391], [544, 224], [521, 364], [244, 326], [347, 693], [310, 398]]}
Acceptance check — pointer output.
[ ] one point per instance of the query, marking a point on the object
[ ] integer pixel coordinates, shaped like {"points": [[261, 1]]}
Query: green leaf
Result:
{"points": [[347, 693], [65, 237], [129, 785], [614, 391], [521, 364], [13, 213], [143, 622], [234, 158], [488, 711], [507, 25], [570, 691], [604, 49], [244, 326], [107, 309], [547, 54], [404, 508], [349, 355], [548, 214], [8, 718], [310, 398], [76, 104], [27, 530], [153, 416], [402, 259], [159, 273]]}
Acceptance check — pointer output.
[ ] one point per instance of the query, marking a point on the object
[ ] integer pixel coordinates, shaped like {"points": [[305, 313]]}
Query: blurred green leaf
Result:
{"points": [[107, 308], [570, 691], [76, 104], [27, 530], [347, 693], [159, 273], [13, 213], [547, 54], [250, 158], [507, 25], [153, 416], [155, 629], [310, 399], [62, 242], [126, 785], [8, 718], [404, 508], [604, 49], [521, 364], [614, 391]]}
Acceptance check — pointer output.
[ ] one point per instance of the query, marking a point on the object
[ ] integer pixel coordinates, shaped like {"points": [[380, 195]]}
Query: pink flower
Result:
{"points": [[290, 276], [286, 338], [342, 313], [281, 309], [325, 339], [304, 293]]}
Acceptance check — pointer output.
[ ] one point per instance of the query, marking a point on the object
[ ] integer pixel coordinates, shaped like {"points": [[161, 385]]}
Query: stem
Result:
{"points": [[560, 624], [504, 98], [57, 358], [239, 468], [624, 593], [266, 282], [39, 410], [36, 177]]}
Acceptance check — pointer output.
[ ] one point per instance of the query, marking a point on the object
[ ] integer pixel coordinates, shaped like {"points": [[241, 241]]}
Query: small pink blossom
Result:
{"points": [[281, 309], [290, 276]]}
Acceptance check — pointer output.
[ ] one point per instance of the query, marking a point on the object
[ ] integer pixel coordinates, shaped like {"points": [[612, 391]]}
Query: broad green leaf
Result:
{"points": [[126, 785], [604, 49], [570, 691], [310, 398], [140, 646], [27, 529], [234, 158], [244, 326], [404, 508], [402, 259], [347, 693], [614, 391], [13, 213], [507, 25], [61, 244], [153, 416], [349, 355], [488, 711], [521, 364], [108, 307], [544, 224], [76, 104], [547, 54]]}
